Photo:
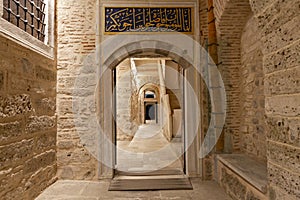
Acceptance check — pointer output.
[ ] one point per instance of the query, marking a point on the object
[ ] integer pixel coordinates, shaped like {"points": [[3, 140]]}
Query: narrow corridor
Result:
{"points": [[149, 151]]}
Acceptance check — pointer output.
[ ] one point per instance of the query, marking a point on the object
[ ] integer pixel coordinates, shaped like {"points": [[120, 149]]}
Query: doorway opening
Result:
{"points": [[149, 117], [150, 113]]}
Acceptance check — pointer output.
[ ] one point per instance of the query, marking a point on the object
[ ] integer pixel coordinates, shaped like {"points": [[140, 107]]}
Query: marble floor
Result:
{"points": [[87, 190], [149, 151]]}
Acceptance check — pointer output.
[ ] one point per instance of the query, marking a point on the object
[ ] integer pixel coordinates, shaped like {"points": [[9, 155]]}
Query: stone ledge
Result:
{"points": [[252, 171], [17, 35]]}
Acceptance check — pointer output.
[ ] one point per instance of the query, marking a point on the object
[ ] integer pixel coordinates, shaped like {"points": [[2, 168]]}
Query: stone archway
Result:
{"points": [[143, 102], [231, 18], [99, 137], [140, 47]]}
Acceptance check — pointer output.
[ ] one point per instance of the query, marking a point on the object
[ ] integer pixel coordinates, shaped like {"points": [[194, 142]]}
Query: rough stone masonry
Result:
{"points": [[27, 121]]}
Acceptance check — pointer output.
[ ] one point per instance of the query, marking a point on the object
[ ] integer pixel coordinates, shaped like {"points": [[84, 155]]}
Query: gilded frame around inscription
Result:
{"points": [[191, 18]]}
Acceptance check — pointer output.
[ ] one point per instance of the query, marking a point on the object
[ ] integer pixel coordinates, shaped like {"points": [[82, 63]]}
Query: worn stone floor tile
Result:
{"points": [[95, 189], [89, 190], [65, 197], [66, 188], [175, 194]]}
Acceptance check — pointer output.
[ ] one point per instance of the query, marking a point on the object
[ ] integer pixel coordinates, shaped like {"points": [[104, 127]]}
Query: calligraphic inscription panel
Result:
{"points": [[150, 19]]}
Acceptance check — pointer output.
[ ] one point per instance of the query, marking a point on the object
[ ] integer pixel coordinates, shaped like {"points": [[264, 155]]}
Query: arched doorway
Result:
{"points": [[149, 96], [144, 117], [152, 46]]}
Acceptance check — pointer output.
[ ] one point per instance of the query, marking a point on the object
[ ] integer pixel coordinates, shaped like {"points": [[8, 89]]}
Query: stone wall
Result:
{"points": [[277, 20], [203, 20], [27, 121], [252, 99], [124, 91], [279, 24], [76, 40], [231, 17], [80, 29]]}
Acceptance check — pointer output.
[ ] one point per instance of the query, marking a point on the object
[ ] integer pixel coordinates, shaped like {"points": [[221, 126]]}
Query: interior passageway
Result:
{"points": [[149, 151], [149, 138]]}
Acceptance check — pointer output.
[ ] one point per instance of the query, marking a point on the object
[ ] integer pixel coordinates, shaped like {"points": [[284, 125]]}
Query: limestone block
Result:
{"points": [[284, 179], [14, 193], [286, 58], [39, 181], [80, 155], [283, 105], [25, 67], [284, 130], [9, 180], [232, 185], [40, 161], [42, 88], [69, 134], [66, 82], [16, 152], [66, 107], [80, 92], [259, 5], [66, 123], [40, 123], [85, 81], [134, 48], [283, 17], [286, 35], [86, 105], [65, 172], [276, 15], [286, 156], [45, 141], [77, 171], [283, 82], [278, 193], [48, 104], [65, 144], [45, 105], [45, 74], [19, 83], [11, 131], [14, 105], [244, 129]]}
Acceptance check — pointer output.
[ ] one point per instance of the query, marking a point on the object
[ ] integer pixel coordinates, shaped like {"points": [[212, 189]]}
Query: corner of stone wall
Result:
{"points": [[27, 121], [278, 21]]}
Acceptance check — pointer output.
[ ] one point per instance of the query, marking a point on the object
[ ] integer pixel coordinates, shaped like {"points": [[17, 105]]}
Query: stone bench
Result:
{"points": [[242, 176]]}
